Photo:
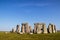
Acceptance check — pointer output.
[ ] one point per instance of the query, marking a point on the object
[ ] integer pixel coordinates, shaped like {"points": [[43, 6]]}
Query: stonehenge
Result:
{"points": [[39, 28]]}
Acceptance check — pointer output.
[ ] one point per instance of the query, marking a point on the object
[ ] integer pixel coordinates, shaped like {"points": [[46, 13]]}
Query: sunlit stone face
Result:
{"points": [[25, 28], [39, 29], [18, 28], [52, 28]]}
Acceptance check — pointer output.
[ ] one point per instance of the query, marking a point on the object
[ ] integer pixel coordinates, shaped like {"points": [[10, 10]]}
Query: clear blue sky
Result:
{"points": [[13, 12]]}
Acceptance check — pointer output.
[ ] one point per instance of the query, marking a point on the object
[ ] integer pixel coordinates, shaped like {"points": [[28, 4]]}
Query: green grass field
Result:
{"points": [[15, 36]]}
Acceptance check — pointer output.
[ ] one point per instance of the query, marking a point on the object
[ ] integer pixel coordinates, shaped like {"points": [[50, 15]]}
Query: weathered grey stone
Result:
{"points": [[25, 28], [30, 29], [45, 29], [18, 28], [52, 28], [13, 30], [40, 28], [35, 28]]}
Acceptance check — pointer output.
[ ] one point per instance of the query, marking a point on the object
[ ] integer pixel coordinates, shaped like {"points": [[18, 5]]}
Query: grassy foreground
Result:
{"points": [[15, 36]]}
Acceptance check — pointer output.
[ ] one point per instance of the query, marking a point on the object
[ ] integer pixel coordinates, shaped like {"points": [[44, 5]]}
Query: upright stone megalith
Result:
{"points": [[25, 28], [40, 28], [13, 30], [51, 28], [18, 28], [45, 29], [30, 29]]}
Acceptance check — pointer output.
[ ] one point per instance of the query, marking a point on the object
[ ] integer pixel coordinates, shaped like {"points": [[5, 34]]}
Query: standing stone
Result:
{"points": [[55, 28], [30, 29], [45, 29], [18, 28], [13, 30], [25, 28], [49, 29], [52, 28], [35, 28], [40, 28]]}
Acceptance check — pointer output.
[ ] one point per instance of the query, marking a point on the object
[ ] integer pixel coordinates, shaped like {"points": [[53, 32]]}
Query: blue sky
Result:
{"points": [[13, 12]]}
